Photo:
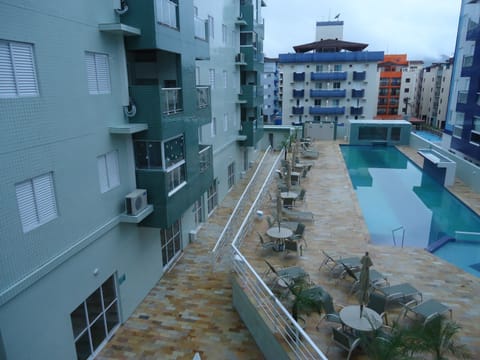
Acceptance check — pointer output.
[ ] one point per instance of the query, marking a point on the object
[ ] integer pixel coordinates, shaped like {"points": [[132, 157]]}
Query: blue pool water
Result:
{"points": [[393, 192], [428, 135]]}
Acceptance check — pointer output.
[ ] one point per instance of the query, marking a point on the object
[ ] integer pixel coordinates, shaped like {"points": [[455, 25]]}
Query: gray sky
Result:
{"points": [[422, 29]]}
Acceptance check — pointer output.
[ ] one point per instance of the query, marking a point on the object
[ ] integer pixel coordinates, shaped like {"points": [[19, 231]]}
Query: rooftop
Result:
{"points": [[190, 309]]}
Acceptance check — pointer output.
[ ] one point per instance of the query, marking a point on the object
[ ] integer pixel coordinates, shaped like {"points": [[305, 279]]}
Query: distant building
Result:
{"points": [[329, 80], [434, 93], [271, 107], [398, 90], [462, 130]]}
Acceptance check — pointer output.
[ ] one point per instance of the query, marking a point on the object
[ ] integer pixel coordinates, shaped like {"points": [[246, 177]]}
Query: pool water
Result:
{"points": [[394, 193], [427, 135]]}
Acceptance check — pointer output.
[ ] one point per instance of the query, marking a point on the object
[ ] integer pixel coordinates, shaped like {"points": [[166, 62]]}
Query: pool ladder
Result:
{"points": [[394, 231]]}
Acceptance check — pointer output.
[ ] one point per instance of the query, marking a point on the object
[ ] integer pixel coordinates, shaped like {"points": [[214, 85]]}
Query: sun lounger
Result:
{"points": [[401, 293], [336, 266], [427, 310], [297, 215]]}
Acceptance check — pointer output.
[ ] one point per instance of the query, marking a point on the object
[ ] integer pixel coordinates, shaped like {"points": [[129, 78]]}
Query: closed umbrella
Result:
{"points": [[289, 176], [279, 208], [363, 293]]}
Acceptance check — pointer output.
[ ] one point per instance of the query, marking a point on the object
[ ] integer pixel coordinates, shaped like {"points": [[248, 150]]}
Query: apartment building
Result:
{"points": [[271, 109], [329, 80], [399, 87], [462, 129], [434, 93], [123, 125]]}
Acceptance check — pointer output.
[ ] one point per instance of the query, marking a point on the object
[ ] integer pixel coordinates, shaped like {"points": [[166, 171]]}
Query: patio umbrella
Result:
{"points": [[295, 152], [363, 293], [279, 209], [288, 180]]}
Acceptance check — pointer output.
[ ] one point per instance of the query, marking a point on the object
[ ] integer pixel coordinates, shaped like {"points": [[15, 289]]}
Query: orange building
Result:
{"points": [[390, 83]]}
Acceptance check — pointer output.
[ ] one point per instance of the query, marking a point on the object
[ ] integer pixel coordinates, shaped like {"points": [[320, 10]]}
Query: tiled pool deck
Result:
{"points": [[190, 308]]}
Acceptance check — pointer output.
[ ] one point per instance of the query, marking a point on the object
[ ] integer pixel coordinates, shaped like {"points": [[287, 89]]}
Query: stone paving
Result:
{"points": [[190, 308]]}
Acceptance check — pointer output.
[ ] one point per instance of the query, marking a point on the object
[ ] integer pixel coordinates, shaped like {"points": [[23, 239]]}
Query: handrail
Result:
{"points": [[473, 235], [403, 235], [221, 242]]}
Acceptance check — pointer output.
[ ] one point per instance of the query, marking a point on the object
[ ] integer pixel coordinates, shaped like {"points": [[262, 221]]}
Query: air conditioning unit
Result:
{"points": [[136, 201], [240, 58]]}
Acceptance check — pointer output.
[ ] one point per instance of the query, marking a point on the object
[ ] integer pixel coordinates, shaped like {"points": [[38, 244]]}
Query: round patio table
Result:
{"points": [[370, 320], [279, 234]]}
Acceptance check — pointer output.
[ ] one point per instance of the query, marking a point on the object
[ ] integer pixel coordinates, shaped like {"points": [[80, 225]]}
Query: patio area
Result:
{"points": [[177, 319]]}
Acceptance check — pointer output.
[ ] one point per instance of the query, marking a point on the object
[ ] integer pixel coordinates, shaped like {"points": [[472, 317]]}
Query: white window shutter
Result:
{"points": [[112, 169], [102, 173], [7, 76], [45, 197], [26, 205], [24, 67], [103, 73], [91, 73]]}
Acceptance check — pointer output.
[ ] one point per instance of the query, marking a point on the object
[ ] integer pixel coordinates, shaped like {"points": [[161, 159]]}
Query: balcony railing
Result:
{"points": [[297, 110], [200, 28], [358, 93], [167, 13], [298, 93], [298, 76], [359, 75], [315, 93], [356, 110], [321, 110], [171, 100], [318, 76], [203, 97]]}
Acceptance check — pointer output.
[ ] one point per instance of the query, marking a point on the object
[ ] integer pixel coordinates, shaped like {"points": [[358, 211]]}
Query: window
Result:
{"points": [[319, 68], [167, 13], [211, 73], [211, 26], [231, 175], [36, 201], [224, 33], [336, 85], [98, 73], [225, 79], [176, 178], [212, 197], [395, 133], [95, 320], [337, 67], [213, 127], [171, 240], [17, 70], [407, 80], [225, 122], [406, 90], [475, 137], [198, 211], [148, 154], [197, 75], [108, 171], [372, 133]]}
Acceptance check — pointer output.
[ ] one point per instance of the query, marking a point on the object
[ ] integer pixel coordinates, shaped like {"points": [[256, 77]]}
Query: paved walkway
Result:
{"points": [[190, 309]]}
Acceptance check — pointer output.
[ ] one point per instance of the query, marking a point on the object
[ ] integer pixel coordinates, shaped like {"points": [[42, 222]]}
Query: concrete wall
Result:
{"points": [[466, 171]]}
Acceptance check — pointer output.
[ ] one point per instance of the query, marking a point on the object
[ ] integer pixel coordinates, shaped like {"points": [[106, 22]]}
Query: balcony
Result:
{"points": [[171, 100], [298, 76], [202, 46], [335, 93], [358, 93], [252, 131], [298, 93], [319, 76], [462, 97], [356, 110], [297, 110], [251, 95], [473, 31], [323, 110], [204, 108], [359, 75], [201, 28]]}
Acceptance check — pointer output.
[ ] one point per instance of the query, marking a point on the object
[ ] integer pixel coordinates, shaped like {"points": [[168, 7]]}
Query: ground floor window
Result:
{"points": [[198, 211], [212, 197], [171, 239], [231, 175], [95, 319]]}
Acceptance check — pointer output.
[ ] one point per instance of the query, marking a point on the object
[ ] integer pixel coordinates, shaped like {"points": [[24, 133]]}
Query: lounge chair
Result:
{"points": [[330, 312], [376, 277], [345, 340], [300, 197], [426, 310], [292, 245], [400, 293], [297, 215], [378, 302], [286, 276], [337, 266]]}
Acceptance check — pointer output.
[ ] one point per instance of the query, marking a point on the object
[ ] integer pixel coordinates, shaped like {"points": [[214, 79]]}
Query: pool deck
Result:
{"points": [[190, 308]]}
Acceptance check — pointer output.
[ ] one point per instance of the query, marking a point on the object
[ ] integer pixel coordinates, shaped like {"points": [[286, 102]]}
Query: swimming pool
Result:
{"points": [[395, 194], [427, 135]]}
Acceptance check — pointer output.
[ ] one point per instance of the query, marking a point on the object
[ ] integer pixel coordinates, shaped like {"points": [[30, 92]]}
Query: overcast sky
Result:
{"points": [[422, 29]]}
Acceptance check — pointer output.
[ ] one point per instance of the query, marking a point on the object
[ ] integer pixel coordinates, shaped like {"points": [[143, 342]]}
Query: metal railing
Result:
{"points": [[171, 100], [167, 13], [225, 238], [394, 231], [278, 319]]}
